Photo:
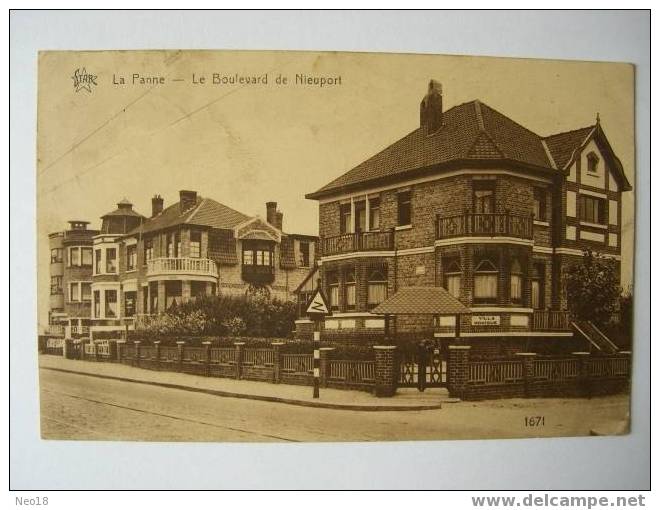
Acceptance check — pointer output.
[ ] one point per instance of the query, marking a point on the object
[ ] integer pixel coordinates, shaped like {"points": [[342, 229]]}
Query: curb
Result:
{"points": [[264, 398]]}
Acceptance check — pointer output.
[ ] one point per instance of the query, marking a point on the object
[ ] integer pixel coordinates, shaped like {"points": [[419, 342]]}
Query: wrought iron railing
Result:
{"points": [[485, 224], [360, 241], [55, 329]]}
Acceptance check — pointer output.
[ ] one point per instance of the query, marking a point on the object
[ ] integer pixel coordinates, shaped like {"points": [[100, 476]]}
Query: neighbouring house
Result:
{"points": [[473, 202], [137, 265]]}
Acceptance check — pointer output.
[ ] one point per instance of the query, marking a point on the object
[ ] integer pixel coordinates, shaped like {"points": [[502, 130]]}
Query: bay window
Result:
{"points": [[333, 290], [516, 281], [195, 243], [376, 287], [86, 291], [485, 282], [111, 303], [349, 289], [97, 304], [453, 277], [111, 260], [131, 257]]}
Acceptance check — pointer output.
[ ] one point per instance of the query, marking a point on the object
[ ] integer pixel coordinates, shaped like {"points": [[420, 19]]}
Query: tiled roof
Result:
{"points": [[222, 247], [207, 212], [470, 131], [421, 301], [562, 145]]}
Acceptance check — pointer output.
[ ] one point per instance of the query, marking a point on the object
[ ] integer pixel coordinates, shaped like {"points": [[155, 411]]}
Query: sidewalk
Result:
{"points": [[406, 399]]}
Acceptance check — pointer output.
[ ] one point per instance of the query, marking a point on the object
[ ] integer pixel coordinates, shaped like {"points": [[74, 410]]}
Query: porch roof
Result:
{"points": [[421, 301]]}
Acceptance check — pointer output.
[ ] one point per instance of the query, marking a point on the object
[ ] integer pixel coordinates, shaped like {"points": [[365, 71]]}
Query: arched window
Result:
{"points": [[453, 277], [376, 287], [485, 282], [349, 289], [516, 282], [333, 290], [592, 163]]}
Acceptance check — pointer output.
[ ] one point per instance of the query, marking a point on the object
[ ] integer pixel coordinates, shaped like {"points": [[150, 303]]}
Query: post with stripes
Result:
{"points": [[317, 309]]}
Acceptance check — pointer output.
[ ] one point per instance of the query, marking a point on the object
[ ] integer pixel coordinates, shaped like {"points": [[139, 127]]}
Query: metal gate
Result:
{"points": [[423, 367]]}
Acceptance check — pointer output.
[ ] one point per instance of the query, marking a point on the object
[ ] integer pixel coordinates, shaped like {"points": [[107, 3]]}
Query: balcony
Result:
{"points": [[182, 266], [255, 273], [359, 241], [551, 320], [485, 224]]}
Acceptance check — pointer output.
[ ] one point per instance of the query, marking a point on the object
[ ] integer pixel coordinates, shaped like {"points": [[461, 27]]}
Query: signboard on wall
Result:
{"points": [[485, 320]]}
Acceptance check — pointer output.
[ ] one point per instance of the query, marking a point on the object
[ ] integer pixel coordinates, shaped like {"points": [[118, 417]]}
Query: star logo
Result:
{"points": [[82, 80]]}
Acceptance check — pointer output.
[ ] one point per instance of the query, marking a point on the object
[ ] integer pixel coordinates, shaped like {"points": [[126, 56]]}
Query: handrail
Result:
{"points": [[485, 224]]}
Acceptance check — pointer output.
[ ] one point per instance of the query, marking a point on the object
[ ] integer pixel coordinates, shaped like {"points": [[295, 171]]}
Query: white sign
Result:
{"points": [[485, 320], [318, 305]]}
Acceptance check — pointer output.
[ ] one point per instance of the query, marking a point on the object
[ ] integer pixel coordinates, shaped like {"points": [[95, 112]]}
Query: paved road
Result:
{"points": [[81, 407]]}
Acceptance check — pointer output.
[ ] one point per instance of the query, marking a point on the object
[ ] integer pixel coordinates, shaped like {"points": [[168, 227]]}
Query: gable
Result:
{"points": [[256, 228]]}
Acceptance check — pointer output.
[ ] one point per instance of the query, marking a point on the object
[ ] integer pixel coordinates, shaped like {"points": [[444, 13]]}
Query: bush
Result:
{"points": [[220, 316]]}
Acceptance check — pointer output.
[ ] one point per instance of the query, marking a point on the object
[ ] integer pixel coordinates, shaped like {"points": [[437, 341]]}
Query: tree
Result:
{"points": [[592, 288]]}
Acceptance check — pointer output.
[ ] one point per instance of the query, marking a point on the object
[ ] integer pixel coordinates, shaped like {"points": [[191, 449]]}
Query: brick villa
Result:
{"points": [[472, 202], [136, 265]]}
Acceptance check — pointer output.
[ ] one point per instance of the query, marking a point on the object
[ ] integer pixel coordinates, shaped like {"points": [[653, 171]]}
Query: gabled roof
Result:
{"points": [[207, 212], [470, 132], [421, 301]]}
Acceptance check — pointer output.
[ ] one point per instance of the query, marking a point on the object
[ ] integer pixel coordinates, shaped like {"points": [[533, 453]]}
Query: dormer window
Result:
{"points": [[592, 163]]}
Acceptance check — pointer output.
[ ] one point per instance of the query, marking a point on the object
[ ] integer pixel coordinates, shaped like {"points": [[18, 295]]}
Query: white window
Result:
{"points": [[111, 303], [376, 288], [86, 256], [453, 279], [516, 281], [349, 289], [195, 244], [333, 288], [485, 282], [86, 291], [111, 260], [74, 291], [74, 256]]}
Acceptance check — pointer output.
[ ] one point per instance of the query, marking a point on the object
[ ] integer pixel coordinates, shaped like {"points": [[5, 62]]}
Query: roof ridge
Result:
{"points": [[592, 126], [195, 210], [480, 118]]}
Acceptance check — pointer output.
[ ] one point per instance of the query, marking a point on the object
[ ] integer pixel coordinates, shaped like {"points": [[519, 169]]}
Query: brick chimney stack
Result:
{"points": [[271, 212], [279, 219], [156, 205], [430, 109], [187, 199]]}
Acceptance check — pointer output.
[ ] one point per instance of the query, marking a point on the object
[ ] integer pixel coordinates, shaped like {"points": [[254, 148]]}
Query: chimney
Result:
{"points": [[430, 109], [279, 219], [156, 205], [271, 211], [187, 199]]}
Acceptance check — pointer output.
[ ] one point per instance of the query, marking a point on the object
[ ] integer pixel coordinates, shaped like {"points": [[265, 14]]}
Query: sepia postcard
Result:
{"points": [[243, 246]]}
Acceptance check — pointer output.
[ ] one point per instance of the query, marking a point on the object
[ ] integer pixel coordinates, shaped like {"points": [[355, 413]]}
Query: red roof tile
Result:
{"points": [[421, 301]]}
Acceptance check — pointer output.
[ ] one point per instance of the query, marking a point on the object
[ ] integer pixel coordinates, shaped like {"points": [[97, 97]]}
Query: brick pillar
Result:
{"points": [[277, 361], [97, 356], [137, 353], [67, 349], [239, 358], [459, 359], [120, 349], [325, 365], [157, 354], [207, 358], [81, 342], [161, 297], [181, 345], [385, 370], [583, 373], [112, 350], [528, 359]]}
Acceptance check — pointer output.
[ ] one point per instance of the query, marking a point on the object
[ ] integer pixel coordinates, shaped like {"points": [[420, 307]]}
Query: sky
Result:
{"points": [[246, 144]]}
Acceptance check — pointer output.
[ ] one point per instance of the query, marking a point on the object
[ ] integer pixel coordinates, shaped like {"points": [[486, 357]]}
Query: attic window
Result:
{"points": [[592, 163]]}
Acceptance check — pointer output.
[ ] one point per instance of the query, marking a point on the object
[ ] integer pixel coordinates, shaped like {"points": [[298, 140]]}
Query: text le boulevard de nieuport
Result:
{"points": [[203, 79]]}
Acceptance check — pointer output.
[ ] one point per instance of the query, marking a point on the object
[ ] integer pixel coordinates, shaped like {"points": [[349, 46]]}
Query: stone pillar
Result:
{"points": [[112, 350], [583, 373], [161, 297], [207, 358], [277, 361], [385, 370], [137, 353], [157, 354], [459, 359], [67, 349], [181, 345], [185, 290], [239, 358], [325, 365], [81, 343], [120, 349], [528, 359]]}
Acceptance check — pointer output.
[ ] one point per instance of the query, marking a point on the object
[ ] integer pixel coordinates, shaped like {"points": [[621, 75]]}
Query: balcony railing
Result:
{"points": [[359, 241], [485, 224], [181, 265], [551, 320], [55, 329]]}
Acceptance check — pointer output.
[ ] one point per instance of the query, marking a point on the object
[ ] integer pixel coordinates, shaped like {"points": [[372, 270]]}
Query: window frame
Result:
{"points": [[478, 202], [107, 301], [333, 289], [108, 259], [374, 212], [305, 258], [58, 258], [453, 271], [516, 272], [403, 203], [540, 198], [592, 163], [481, 273], [56, 285], [372, 282], [131, 253], [595, 214], [352, 285]]}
